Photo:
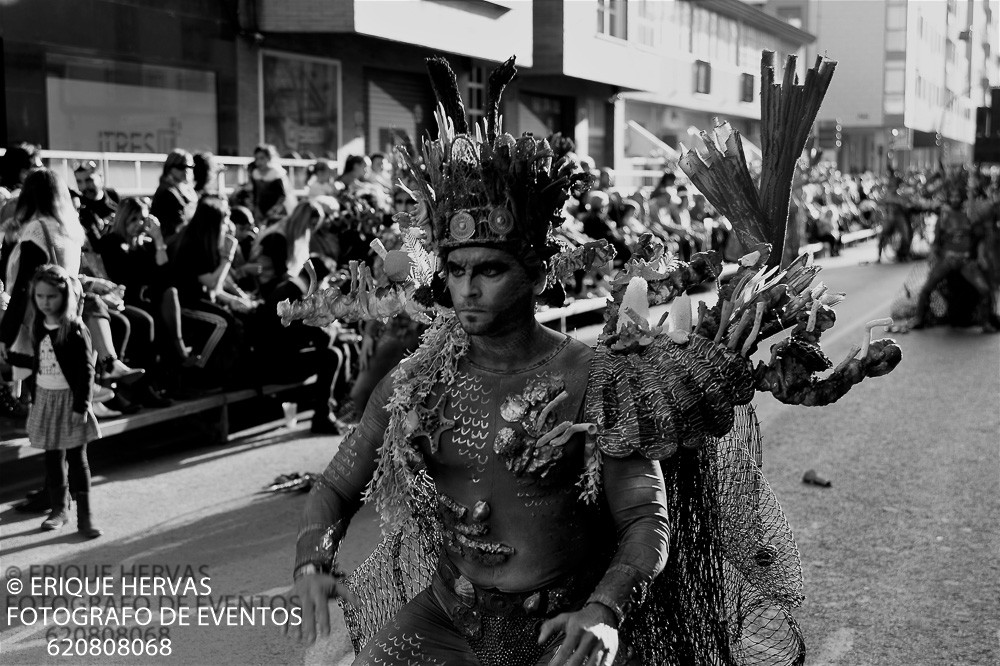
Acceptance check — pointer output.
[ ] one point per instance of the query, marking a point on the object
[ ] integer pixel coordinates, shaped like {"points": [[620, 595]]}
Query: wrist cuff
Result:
{"points": [[622, 588]]}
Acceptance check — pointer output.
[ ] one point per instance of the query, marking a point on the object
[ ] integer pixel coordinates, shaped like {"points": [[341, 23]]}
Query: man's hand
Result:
{"points": [[313, 591], [591, 636], [79, 419]]}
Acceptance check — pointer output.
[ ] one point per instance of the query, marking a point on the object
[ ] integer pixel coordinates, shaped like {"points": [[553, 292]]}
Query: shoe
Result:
{"points": [[102, 412], [57, 516], [84, 521], [102, 394], [322, 425], [147, 396], [36, 501], [122, 406], [111, 371]]}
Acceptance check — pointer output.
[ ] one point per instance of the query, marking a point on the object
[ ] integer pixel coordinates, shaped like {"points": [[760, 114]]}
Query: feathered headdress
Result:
{"points": [[473, 186], [483, 186]]}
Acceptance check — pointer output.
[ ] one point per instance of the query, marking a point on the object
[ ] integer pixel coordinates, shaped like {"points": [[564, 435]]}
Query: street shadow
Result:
{"points": [[246, 551]]}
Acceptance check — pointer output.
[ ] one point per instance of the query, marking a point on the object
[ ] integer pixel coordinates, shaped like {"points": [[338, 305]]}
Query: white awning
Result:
{"points": [[656, 145]]}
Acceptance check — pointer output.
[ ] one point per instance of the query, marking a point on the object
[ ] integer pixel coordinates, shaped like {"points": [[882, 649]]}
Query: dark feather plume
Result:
{"points": [[499, 78], [445, 85]]}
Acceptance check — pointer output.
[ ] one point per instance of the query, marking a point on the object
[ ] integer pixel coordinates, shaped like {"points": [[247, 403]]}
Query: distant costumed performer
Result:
{"points": [[545, 502]]}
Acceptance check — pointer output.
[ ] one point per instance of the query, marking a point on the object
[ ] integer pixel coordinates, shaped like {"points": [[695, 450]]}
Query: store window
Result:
{"points": [[96, 104], [300, 100]]}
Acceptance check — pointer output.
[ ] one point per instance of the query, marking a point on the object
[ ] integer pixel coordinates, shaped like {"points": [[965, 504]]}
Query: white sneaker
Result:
{"points": [[102, 412], [102, 394]]}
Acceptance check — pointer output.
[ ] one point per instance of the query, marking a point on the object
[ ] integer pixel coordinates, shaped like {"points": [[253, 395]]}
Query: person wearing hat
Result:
{"points": [[550, 576]]}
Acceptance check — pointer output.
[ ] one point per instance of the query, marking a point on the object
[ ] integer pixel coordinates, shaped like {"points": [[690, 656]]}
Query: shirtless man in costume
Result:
{"points": [[529, 485]]}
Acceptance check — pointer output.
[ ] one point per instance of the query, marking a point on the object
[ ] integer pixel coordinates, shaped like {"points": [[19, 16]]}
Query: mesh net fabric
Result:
{"points": [[724, 598], [400, 567], [733, 571]]}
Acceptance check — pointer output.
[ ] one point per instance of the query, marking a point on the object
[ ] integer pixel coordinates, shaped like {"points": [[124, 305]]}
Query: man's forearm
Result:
{"points": [[637, 499], [334, 499]]}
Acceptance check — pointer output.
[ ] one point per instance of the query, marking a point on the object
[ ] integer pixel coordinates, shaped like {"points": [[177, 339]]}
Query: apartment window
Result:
{"points": [[791, 15], [949, 50], [746, 88], [727, 44], [895, 77], [895, 18], [475, 98], [702, 77], [648, 21], [895, 40], [612, 18]]}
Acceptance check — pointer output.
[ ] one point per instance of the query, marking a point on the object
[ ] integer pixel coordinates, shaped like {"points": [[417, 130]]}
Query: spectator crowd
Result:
{"points": [[180, 289]]}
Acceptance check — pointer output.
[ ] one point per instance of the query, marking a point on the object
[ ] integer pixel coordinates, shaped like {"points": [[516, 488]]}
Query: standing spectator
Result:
{"points": [[98, 204], [62, 419], [175, 198], [273, 198], [826, 227], [14, 167]]}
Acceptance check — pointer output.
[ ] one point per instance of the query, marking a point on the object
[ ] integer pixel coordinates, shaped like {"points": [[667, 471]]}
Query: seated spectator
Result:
{"points": [[381, 173], [325, 240], [273, 198], [198, 269], [206, 173], [135, 256], [295, 232], [323, 181], [175, 199], [98, 204], [599, 226], [357, 168], [50, 232]]}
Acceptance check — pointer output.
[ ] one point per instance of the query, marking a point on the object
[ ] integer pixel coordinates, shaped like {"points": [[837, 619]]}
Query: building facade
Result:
{"points": [[910, 76], [325, 79], [707, 67]]}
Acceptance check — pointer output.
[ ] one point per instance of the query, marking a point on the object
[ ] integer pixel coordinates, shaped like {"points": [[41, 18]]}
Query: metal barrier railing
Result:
{"points": [[138, 174]]}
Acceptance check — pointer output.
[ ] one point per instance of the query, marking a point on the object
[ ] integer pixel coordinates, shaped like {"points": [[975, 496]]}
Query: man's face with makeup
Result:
{"points": [[491, 290]]}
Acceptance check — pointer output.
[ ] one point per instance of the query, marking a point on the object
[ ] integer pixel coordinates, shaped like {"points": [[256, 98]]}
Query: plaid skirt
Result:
{"points": [[50, 422]]}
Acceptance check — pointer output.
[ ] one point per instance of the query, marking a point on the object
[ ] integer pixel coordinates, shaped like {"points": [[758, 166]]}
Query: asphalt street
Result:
{"points": [[900, 554]]}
